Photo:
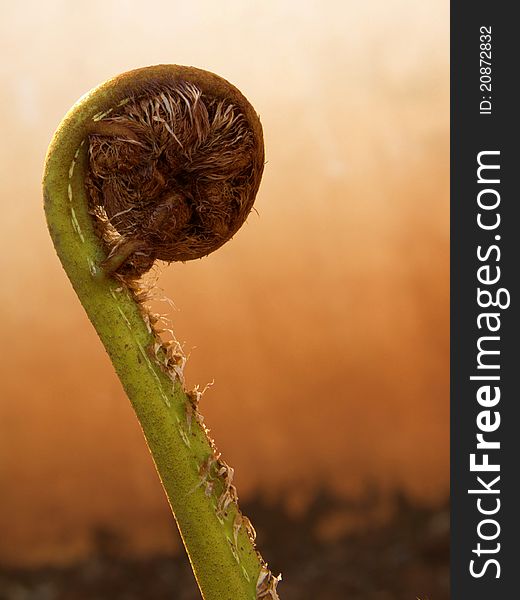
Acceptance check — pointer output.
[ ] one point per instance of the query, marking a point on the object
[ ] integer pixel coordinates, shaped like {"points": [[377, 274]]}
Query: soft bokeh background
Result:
{"points": [[324, 323]]}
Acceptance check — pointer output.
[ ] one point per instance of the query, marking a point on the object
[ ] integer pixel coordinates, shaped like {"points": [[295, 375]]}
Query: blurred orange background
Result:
{"points": [[323, 323]]}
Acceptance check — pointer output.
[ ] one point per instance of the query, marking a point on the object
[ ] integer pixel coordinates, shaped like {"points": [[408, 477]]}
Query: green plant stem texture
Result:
{"points": [[223, 558]]}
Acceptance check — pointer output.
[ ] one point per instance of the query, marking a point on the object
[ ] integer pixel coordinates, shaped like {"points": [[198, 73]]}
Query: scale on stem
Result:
{"points": [[161, 163]]}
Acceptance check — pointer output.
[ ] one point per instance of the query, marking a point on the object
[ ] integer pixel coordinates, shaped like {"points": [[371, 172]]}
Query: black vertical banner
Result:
{"points": [[485, 256]]}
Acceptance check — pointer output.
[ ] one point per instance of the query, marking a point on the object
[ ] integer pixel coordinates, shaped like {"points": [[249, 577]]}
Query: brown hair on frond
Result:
{"points": [[173, 173]]}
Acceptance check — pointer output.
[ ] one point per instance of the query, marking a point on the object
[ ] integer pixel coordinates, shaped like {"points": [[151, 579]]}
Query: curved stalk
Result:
{"points": [[219, 540]]}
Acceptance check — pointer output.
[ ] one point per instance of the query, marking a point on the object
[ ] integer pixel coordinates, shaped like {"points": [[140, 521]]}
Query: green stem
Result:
{"points": [[221, 551]]}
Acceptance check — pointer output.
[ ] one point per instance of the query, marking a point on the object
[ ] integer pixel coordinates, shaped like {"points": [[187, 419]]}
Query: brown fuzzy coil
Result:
{"points": [[174, 170]]}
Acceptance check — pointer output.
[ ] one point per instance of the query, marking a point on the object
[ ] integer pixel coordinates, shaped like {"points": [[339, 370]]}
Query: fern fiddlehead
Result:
{"points": [[161, 163]]}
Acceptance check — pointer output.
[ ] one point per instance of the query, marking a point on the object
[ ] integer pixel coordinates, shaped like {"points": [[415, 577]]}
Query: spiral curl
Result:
{"points": [[173, 174]]}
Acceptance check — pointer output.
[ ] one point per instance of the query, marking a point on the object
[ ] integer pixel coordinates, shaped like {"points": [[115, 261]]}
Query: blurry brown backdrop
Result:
{"points": [[324, 323]]}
